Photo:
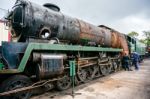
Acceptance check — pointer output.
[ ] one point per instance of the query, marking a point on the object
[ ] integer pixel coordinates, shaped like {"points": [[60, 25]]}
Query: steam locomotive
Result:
{"points": [[45, 42]]}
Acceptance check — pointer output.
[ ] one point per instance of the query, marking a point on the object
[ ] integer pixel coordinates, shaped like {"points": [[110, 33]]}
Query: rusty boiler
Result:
{"points": [[47, 22]]}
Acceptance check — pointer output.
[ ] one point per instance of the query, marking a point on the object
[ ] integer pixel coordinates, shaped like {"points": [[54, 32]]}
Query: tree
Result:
{"points": [[147, 37], [143, 41], [133, 34]]}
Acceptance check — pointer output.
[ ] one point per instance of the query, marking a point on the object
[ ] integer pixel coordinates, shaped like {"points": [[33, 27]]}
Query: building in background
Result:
{"points": [[4, 32]]}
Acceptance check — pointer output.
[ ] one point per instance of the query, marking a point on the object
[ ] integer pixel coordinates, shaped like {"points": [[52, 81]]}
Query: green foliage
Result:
{"points": [[147, 37], [143, 41], [133, 34]]}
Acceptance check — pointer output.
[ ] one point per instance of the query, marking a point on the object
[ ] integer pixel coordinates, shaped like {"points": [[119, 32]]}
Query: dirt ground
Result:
{"points": [[122, 85]]}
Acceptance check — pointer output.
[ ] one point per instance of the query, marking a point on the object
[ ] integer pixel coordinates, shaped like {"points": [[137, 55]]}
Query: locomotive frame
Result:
{"points": [[101, 66]]}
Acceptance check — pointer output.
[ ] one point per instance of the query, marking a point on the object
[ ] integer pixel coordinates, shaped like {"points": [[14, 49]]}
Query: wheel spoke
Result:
{"points": [[82, 75], [96, 72], [64, 83], [115, 66], [15, 82], [105, 70]]}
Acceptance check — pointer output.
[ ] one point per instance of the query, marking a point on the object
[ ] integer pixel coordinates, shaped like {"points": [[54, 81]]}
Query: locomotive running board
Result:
{"points": [[58, 47]]}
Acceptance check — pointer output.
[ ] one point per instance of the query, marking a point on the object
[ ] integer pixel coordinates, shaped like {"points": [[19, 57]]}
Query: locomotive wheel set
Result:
{"points": [[44, 42], [53, 69]]}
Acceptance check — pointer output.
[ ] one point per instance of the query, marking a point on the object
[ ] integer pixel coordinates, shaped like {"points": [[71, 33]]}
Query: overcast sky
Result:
{"points": [[122, 15]]}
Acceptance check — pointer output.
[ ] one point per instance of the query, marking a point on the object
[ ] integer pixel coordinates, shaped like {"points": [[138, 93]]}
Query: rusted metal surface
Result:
{"points": [[87, 58], [124, 44], [107, 36], [115, 41], [118, 40], [90, 33], [111, 36]]}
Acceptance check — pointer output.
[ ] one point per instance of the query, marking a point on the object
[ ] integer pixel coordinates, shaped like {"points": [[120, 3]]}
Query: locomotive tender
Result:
{"points": [[44, 42]]}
